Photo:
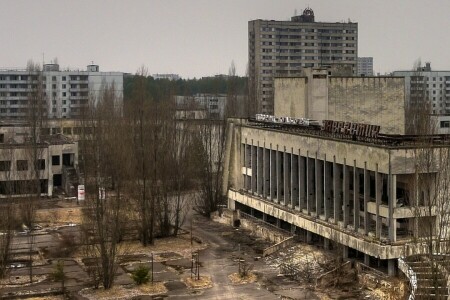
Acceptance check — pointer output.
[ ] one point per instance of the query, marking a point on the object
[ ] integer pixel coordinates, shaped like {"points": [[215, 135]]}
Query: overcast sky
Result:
{"points": [[196, 38]]}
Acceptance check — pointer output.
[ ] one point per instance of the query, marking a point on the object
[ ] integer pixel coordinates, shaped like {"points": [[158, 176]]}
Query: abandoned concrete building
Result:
{"points": [[344, 182], [57, 161]]}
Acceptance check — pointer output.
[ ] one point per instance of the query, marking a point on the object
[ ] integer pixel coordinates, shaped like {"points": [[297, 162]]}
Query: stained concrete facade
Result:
{"points": [[317, 95], [57, 161], [355, 193]]}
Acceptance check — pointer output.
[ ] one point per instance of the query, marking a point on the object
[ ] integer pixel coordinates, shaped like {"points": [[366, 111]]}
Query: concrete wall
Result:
{"points": [[368, 100], [374, 100], [291, 95]]}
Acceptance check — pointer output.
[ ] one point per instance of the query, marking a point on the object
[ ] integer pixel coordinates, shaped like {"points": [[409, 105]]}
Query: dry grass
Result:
{"points": [[22, 280], [58, 216], [120, 292], [203, 283], [237, 279], [152, 288], [47, 298]]}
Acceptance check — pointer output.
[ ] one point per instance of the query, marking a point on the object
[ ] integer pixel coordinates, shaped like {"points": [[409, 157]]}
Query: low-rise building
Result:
{"points": [[55, 165]]}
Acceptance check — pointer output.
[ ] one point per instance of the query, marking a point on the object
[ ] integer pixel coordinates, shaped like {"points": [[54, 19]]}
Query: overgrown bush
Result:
{"points": [[141, 275]]}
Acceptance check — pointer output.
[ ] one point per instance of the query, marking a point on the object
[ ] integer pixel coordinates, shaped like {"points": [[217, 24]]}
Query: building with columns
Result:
{"points": [[348, 183], [356, 193]]}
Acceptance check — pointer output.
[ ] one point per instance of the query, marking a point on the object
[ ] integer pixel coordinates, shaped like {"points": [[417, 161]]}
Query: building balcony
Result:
{"points": [[401, 212]]}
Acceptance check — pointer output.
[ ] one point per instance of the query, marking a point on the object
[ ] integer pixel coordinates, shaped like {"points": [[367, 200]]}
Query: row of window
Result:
{"points": [[310, 30], [308, 37], [43, 78], [22, 164]]}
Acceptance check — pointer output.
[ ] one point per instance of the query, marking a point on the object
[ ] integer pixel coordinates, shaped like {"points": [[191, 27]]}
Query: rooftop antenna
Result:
{"points": [[43, 60]]}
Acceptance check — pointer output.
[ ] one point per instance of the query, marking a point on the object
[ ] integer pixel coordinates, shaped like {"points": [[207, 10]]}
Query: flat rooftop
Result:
{"points": [[382, 140]]}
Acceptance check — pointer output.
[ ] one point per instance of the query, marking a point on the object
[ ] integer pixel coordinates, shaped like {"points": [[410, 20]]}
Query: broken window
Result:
{"points": [[22, 165]]}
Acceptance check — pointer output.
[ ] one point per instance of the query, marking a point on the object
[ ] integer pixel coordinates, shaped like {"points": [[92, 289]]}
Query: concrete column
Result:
{"points": [[392, 200], [293, 228], [344, 252], [310, 202], [280, 179], [259, 170], [355, 196], [378, 191], [319, 185], [278, 223], [253, 167], [336, 191], [391, 267], [367, 259], [366, 198], [326, 244], [286, 177], [231, 204], [264, 217], [416, 203], [294, 180], [327, 185], [308, 237], [252, 212], [273, 174], [346, 192], [266, 163], [302, 181]]}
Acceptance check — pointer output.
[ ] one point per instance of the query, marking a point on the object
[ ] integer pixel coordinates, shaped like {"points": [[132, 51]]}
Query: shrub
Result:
{"points": [[141, 275]]}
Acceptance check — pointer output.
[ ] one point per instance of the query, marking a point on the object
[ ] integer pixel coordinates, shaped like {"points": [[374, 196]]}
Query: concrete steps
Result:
{"points": [[430, 285]]}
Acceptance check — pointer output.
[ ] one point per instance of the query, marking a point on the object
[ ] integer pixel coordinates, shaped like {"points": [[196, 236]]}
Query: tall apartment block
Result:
{"points": [[285, 47], [66, 91], [425, 84], [365, 66]]}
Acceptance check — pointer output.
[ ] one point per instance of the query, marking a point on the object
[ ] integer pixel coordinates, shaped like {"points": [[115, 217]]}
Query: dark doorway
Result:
{"points": [[57, 179]]}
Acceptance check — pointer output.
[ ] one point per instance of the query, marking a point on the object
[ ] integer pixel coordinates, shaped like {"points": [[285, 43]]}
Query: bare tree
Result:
{"points": [[105, 168], [430, 184], [209, 155]]}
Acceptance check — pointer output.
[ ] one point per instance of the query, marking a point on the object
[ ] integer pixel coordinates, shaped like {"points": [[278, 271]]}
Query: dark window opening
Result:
{"points": [[22, 165], [57, 179], [41, 164], [5, 165], [55, 160], [68, 160]]}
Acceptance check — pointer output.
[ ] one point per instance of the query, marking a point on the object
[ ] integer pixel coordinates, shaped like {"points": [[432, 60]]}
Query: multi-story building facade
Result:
{"points": [[350, 178], [65, 92], [424, 84], [365, 66], [285, 47]]}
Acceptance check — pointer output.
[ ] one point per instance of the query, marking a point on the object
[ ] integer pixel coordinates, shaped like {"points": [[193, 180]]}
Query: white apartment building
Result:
{"points": [[426, 84], [365, 66], [66, 91], [166, 76], [285, 47]]}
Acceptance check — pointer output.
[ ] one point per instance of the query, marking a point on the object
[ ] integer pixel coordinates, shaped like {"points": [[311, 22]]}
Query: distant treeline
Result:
{"points": [[161, 88]]}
